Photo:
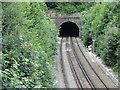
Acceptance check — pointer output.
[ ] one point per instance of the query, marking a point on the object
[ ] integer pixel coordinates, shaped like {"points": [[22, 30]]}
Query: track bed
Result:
{"points": [[76, 69]]}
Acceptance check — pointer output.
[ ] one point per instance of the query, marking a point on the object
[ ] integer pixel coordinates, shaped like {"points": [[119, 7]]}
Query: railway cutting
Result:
{"points": [[76, 69]]}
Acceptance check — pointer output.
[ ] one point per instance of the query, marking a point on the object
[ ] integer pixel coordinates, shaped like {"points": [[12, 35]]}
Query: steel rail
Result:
{"points": [[78, 82], [81, 66], [62, 66], [90, 64]]}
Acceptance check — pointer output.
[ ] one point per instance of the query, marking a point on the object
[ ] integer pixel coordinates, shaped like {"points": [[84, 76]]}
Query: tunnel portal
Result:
{"points": [[69, 29]]}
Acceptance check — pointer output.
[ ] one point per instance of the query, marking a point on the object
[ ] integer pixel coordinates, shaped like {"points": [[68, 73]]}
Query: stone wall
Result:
{"points": [[61, 18]]}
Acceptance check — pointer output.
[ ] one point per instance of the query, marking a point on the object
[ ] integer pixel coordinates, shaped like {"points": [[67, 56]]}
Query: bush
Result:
{"points": [[101, 23], [109, 49], [29, 45], [72, 7]]}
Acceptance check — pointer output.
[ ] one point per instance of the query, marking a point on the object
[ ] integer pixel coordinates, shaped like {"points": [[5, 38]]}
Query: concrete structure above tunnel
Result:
{"points": [[59, 19]]}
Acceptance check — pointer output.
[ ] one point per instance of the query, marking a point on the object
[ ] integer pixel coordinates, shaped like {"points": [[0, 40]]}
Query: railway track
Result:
{"points": [[77, 69]]}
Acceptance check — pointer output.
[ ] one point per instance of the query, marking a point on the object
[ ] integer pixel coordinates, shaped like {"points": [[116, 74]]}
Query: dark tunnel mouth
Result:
{"points": [[68, 29]]}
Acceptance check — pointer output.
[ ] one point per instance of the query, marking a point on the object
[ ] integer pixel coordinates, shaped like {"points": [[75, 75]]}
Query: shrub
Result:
{"points": [[101, 23], [110, 43], [29, 44], [72, 7]]}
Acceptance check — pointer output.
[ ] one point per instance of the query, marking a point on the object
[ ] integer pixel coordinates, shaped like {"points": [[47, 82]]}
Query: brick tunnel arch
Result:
{"points": [[69, 29]]}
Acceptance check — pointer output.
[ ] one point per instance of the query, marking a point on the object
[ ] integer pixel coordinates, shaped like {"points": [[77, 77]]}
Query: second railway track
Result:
{"points": [[77, 70]]}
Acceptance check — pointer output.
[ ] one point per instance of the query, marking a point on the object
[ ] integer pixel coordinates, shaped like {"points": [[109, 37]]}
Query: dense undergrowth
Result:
{"points": [[69, 7], [102, 23], [28, 46]]}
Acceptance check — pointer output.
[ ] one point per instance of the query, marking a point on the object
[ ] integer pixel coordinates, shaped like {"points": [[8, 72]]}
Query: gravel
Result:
{"points": [[107, 70]]}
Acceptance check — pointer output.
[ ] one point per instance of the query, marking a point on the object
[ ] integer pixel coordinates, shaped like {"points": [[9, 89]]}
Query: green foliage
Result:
{"points": [[72, 7], [29, 46], [108, 49], [101, 23]]}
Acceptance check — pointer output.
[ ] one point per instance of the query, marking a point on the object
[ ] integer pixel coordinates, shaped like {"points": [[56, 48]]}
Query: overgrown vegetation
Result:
{"points": [[29, 39], [29, 46], [69, 7], [101, 23]]}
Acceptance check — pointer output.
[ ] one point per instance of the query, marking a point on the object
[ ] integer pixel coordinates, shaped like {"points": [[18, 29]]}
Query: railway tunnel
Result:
{"points": [[74, 65], [68, 29]]}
